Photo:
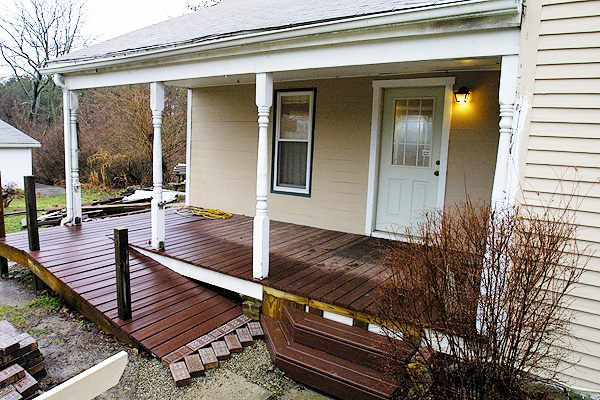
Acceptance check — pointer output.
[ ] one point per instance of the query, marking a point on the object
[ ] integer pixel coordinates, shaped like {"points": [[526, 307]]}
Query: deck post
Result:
{"points": [[506, 97], [123, 277], [3, 260], [157, 104], [31, 212], [260, 242], [32, 225], [75, 184]]}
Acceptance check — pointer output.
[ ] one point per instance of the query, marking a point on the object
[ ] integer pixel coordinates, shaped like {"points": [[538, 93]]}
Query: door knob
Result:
{"points": [[437, 173]]}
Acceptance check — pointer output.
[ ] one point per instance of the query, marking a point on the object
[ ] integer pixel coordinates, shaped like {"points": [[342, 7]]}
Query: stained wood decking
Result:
{"points": [[169, 310], [333, 267]]}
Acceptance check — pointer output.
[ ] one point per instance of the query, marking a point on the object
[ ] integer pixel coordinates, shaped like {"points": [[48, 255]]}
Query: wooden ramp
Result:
{"points": [[169, 310]]}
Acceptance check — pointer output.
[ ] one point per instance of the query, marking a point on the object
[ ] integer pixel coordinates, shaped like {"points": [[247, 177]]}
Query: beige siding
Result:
{"points": [[224, 142], [563, 153]]}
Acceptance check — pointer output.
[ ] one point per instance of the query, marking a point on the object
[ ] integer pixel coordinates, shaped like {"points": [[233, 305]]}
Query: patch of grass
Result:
{"points": [[50, 303], [38, 332], [13, 222], [14, 315]]}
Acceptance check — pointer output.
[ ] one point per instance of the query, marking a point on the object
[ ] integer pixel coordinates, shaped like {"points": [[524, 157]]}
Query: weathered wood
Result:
{"points": [[209, 359], [10, 393], [177, 355], [27, 385], [221, 350], [180, 374], [8, 344], [2, 227], [194, 365], [31, 209], [233, 344], [3, 260], [360, 324], [123, 275], [244, 336], [11, 375], [255, 330]]}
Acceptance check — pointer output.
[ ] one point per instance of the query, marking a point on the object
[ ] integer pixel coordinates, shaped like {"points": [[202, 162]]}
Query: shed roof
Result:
{"points": [[12, 137], [236, 18]]}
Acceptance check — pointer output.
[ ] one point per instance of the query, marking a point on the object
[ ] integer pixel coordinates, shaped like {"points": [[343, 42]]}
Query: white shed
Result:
{"points": [[15, 154]]}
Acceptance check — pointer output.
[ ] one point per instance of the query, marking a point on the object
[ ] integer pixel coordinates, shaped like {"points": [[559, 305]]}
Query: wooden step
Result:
{"points": [[331, 374], [344, 341]]}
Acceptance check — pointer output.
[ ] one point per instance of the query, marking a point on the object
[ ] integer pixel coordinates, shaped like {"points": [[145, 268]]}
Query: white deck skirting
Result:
{"points": [[237, 285]]}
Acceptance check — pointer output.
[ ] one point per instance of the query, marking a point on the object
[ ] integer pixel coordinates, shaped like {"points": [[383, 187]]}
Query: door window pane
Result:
{"points": [[413, 127]]}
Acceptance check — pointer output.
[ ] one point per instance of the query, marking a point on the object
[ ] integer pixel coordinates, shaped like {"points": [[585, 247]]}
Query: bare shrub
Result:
{"points": [[486, 289], [9, 193]]}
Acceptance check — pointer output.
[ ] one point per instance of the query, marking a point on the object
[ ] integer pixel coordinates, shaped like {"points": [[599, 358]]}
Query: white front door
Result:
{"points": [[409, 161]]}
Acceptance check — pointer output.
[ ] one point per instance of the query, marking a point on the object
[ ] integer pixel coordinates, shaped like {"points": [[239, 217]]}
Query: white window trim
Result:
{"points": [[275, 188], [375, 146]]}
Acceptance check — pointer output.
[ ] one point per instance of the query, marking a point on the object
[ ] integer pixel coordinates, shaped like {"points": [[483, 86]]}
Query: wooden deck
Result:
{"points": [[332, 267], [169, 310]]}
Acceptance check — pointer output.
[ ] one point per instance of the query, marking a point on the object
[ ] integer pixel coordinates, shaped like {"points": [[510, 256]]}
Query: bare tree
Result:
{"points": [[32, 33]]}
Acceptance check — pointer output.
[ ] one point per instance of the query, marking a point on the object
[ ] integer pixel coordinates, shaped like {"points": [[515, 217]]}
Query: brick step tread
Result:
{"points": [[326, 372], [341, 340]]}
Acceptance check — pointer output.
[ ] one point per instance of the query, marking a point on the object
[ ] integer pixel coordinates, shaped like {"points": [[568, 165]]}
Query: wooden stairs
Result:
{"points": [[340, 360]]}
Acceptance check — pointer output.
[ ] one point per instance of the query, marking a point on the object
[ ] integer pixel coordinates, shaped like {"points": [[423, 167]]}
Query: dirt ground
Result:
{"points": [[71, 344]]}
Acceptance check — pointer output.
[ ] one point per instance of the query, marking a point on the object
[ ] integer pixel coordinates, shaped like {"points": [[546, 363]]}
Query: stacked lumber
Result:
{"points": [[206, 351], [21, 361]]}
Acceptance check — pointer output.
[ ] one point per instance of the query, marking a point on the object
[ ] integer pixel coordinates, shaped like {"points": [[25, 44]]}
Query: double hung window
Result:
{"points": [[293, 139]]}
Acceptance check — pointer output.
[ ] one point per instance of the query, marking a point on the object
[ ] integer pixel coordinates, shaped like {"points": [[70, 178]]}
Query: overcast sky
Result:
{"points": [[109, 18], [105, 19]]}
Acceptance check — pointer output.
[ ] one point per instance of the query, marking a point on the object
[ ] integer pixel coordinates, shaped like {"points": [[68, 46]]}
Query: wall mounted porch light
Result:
{"points": [[462, 96]]}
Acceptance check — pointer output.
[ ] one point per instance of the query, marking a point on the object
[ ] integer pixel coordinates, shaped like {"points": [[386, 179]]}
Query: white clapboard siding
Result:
{"points": [[563, 155], [15, 163], [224, 146]]}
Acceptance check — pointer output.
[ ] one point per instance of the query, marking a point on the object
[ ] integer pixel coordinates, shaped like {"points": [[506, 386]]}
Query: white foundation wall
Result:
{"points": [[15, 163]]}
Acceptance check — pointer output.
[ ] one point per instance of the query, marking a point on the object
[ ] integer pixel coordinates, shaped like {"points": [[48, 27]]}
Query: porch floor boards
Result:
{"points": [[333, 267], [169, 310]]}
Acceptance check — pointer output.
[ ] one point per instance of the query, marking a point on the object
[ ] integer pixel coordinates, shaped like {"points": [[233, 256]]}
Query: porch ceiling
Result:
{"points": [[382, 70]]}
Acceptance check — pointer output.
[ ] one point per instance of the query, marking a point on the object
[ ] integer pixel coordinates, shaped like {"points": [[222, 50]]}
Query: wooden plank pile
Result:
{"points": [[130, 201], [206, 351], [21, 361]]}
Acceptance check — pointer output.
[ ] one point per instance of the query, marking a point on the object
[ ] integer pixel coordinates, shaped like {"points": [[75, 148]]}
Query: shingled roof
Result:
{"points": [[236, 18], [12, 137]]}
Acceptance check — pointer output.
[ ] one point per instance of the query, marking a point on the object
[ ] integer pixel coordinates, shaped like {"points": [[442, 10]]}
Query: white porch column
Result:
{"points": [[260, 244], [75, 184], [67, 140], [188, 148], [506, 97], [157, 104]]}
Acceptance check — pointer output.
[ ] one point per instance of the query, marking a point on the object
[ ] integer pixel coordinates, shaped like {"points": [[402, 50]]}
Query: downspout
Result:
{"points": [[59, 81]]}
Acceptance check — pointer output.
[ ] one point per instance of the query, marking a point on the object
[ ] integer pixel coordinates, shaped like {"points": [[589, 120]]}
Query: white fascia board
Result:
{"points": [[441, 11], [19, 145], [369, 52]]}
